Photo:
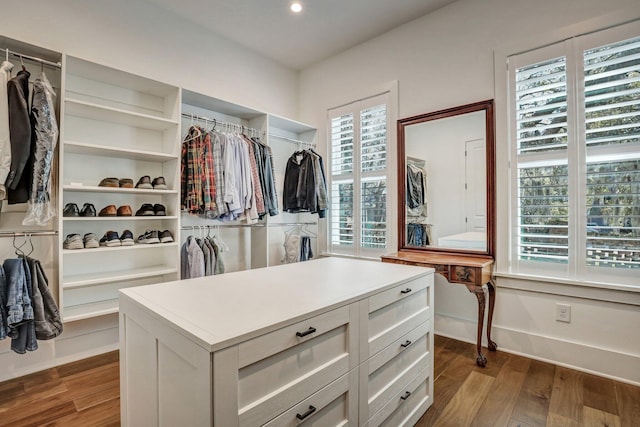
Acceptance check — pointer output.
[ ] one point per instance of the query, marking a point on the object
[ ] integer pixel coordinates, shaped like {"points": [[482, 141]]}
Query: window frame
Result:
{"points": [[387, 96], [576, 270]]}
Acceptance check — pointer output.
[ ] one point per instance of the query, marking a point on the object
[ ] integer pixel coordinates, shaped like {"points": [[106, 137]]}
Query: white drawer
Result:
{"points": [[393, 313], [278, 369], [387, 373], [334, 405], [406, 407]]}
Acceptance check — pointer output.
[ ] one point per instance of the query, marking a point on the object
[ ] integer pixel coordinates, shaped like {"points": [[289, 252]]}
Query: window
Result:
{"points": [[358, 218], [575, 158]]}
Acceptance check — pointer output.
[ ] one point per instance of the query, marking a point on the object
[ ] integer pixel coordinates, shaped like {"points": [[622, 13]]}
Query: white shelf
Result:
{"points": [[96, 189], [118, 218], [85, 311], [82, 280], [111, 151], [89, 110], [137, 246]]}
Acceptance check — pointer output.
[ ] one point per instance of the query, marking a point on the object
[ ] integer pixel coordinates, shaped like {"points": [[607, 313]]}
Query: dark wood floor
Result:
{"points": [[511, 391]]}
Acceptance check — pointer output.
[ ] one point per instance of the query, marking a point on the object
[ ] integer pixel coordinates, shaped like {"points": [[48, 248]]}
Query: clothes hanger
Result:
{"points": [[308, 232], [18, 249]]}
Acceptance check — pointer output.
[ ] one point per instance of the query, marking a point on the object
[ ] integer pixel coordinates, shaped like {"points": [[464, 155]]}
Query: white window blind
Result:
{"points": [[575, 114], [358, 224]]}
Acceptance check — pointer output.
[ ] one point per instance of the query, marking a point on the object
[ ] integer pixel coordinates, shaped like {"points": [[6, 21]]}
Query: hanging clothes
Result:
{"points": [[19, 178], [45, 136], [5, 142], [192, 259], [46, 316], [20, 319], [226, 176], [418, 234], [416, 186], [305, 187]]}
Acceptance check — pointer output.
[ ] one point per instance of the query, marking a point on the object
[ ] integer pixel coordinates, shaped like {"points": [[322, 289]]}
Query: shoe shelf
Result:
{"points": [[136, 246], [82, 280], [120, 218], [89, 310], [93, 111], [110, 151], [96, 189], [116, 124]]}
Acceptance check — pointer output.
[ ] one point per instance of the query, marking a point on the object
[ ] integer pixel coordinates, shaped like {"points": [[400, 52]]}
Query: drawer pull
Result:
{"points": [[305, 333], [406, 344], [406, 291], [405, 396], [311, 410]]}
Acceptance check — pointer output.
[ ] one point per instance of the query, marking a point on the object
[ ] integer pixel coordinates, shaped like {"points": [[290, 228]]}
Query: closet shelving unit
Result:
{"points": [[115, 124], [260, 245]]}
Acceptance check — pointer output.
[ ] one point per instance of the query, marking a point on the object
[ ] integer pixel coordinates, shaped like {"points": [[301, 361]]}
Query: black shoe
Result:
{"points": [[70, 209], [127, 238], [88, 210], [144, 182], [159, 183], [110, 239], [166, 237], [159, 210], [150, 236], [145, 210]]}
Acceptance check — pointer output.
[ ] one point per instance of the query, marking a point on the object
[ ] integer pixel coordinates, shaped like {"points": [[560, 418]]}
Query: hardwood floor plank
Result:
{"points": [[518, 424], [445, 387], [86, 364], [87, 382], [628, 400], [497, 408], [462, 409], [38, 412], [9, 392], [555, 420], [107, 391], [33, 397], [532, 404], [567, 394], [595, 418], [106, 414], [600, 393], [35, 380]]}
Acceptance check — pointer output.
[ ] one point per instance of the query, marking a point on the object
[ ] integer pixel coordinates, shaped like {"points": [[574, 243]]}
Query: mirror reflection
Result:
{"points": [[445, 166]]}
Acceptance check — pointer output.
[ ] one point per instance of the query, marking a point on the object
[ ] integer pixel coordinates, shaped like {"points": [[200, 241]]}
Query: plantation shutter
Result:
{"points": [[358, 224]]}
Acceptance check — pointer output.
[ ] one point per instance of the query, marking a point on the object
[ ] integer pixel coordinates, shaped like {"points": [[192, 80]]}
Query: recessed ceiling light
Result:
{"points": [[296, 7]]}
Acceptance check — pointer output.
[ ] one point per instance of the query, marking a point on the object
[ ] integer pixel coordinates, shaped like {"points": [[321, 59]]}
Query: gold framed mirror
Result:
{"points": [[446, 181]]}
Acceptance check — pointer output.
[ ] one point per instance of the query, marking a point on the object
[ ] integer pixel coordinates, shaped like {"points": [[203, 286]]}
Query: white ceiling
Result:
{"points": [[323, 28]]}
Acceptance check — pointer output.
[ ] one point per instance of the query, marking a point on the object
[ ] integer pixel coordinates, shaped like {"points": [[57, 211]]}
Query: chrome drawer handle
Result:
{"points": [[305, 333], [406, 291], [406, 395], [406, 344], [311, 410]]}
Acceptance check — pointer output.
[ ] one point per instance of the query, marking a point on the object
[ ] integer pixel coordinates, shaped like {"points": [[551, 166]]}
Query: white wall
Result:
{"points": [[446, 59], [145, 40]]}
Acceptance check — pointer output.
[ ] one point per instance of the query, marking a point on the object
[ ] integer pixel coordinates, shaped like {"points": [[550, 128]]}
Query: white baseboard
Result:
{"points": [[56, 352], [588, 358]]}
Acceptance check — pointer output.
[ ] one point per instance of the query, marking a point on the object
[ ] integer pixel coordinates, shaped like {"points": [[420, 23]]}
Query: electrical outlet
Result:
{"points": [[563, 313]]}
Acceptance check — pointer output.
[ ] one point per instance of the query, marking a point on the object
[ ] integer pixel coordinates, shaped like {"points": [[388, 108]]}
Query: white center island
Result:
{"points": [[328, 342]]}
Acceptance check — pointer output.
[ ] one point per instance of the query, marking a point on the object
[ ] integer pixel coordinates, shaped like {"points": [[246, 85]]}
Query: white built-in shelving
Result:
{"points": [[119, 125]]}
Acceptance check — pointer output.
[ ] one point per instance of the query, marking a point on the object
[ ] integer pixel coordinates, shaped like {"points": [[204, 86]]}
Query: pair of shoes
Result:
{"points": [[156, 236], [115, 182], [110, 210], [73, 241], [157, 183], [111, 239], [71, 209], [147, 209]]}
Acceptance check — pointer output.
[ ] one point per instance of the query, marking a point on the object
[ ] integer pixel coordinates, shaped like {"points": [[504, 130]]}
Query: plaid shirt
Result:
{"points": [[207, 176], [190, 185]]}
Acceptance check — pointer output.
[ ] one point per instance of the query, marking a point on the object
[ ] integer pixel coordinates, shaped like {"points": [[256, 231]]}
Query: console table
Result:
{"points": [[472, 271]]}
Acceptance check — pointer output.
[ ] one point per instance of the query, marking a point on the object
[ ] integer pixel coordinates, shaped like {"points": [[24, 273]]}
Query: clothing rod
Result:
{"points": [[220, 122], [291, 224], [33, 58], [294, 141], [35, 233], [213, 227]]}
